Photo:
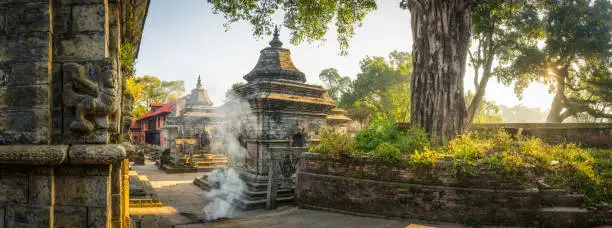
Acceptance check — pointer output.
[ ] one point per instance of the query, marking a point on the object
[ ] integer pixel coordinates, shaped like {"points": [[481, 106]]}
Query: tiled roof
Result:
{"points": [[165, 108]]}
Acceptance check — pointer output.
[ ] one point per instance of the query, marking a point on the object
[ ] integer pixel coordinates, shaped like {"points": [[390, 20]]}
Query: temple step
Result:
{"points": [[257, 195], [261, 203], [560, 198]]}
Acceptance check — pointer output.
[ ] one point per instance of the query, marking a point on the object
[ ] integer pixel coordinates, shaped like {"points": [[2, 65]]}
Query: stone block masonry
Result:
{"points": [[61, 162]]}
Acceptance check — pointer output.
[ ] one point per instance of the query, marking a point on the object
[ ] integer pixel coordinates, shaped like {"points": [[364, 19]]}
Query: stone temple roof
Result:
{"points": [[198, 103], [275, 63], [199, 95]]}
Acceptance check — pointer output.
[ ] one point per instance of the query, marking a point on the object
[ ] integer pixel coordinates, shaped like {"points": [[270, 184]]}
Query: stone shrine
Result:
{"points": [[273, 116], [190, 144]]}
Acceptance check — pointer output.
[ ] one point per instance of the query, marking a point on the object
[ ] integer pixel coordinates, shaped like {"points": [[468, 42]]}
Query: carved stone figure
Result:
{"points": [[94, 95]]}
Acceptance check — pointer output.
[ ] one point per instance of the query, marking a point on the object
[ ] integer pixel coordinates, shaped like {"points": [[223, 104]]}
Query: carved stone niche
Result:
{"points": [[91, 95]]}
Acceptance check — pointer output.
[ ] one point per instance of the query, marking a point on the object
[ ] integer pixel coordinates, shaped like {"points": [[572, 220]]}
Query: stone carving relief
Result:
{"points": [[91, 94]]}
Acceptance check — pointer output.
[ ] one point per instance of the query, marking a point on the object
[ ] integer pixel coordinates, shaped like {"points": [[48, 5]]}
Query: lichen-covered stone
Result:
{"points": [[81, 47], [27, 73], [82, 191], [18, 215], [97, 170], [13, 189], [69, 216], [96, 154], [25, 47], [97, 217], [2, 22], [23, 18], [40, 190], [2, 216], [35, 97], [24, 127], [33, 154], [88, 18]]}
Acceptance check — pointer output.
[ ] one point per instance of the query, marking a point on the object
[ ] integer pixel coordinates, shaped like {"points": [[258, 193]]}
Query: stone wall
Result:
{"points": [[365, 186], [588, 134], [61, 161]]}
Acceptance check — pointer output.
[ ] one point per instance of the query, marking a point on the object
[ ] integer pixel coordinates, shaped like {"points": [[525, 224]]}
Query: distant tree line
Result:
{"points": [[150, 89]]}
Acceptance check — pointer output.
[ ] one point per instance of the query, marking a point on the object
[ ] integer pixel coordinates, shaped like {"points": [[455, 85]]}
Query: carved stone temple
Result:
{"points": [[189, 135], [273, 116], [63, 115]]}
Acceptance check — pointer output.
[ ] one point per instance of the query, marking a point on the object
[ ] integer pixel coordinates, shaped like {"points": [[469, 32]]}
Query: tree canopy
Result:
{"points": [[575, 59], [382, 88], [307, 20], [498, 27], [336, 85], [148, 89]]}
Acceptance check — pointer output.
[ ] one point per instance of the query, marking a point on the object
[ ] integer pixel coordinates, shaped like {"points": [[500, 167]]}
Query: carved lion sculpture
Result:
{"points": [[95, 100]]}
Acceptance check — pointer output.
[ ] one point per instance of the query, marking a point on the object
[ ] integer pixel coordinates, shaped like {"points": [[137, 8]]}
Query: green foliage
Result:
{"points": [[374, 134], [383, 87], [148, 89], [336, 85], [127, 59], [306, 20], [575, 56], [385, 140], [387, 151], [333, 142], [425, 158], [588, 171], [498, 28]]}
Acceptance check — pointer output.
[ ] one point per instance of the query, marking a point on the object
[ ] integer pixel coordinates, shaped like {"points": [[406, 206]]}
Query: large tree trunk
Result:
{"points": [[441, 33]]}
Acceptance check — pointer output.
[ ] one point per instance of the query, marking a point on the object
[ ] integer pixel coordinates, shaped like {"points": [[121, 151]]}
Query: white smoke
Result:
{"points": [[226, 185], [224, 195]]}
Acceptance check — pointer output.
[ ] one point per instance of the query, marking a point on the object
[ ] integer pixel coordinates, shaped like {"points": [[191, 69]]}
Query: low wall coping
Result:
{"points": [[61, 154]]}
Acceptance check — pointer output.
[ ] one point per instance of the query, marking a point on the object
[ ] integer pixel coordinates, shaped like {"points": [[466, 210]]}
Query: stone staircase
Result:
{"points": [[257, 190], [561, 209], [254, 196]]}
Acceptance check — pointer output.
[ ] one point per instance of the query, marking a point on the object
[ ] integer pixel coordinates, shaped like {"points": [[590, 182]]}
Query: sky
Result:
{"points": [[182, 39]]}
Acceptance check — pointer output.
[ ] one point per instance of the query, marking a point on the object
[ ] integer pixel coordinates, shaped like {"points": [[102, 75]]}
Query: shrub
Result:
{"points": [[374, 134], [415, 139], [379, 132], [388, 152], [425, 158], [333, 142], [468, 149]]}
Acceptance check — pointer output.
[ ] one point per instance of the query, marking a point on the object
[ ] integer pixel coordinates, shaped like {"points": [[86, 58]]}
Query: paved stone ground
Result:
{"points": [[178, 191]]}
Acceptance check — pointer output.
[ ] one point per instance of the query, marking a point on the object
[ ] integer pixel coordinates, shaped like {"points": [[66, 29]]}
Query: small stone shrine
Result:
{"points": [[273, 115], [187, 134]]}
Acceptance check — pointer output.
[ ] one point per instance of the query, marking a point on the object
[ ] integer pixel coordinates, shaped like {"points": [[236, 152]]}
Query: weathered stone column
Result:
{"points": [[61, 162]]}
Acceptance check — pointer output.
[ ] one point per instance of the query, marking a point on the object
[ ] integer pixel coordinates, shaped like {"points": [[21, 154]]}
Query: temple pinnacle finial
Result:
{"points": [[199, 85], [275, 40]]}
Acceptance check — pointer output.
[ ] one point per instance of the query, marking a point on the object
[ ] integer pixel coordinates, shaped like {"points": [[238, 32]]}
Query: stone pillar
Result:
{"points": [[61, 164]]}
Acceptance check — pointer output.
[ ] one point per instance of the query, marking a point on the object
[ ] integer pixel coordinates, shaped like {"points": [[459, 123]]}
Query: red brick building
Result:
{"points": [[147, 129]]}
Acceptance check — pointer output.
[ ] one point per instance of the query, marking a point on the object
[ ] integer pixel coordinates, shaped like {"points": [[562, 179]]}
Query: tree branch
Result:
{"points": [[412, 5]]}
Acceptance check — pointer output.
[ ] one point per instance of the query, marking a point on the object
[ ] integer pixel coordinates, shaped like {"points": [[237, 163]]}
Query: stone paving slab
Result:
{"points": [[312, 218], [178, 191]]}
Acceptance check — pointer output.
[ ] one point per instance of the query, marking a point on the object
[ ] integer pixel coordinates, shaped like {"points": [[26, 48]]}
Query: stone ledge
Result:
{"points": [[60, 154], [96, 154], [33, 154]]}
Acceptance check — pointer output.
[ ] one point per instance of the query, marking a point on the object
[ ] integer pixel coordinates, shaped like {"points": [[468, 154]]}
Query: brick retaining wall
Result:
{"points": [[362, 185]]}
